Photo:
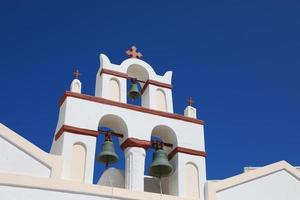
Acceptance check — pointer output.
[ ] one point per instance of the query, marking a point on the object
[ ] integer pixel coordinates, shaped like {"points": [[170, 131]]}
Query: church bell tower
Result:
{"points": [[179, 144]]}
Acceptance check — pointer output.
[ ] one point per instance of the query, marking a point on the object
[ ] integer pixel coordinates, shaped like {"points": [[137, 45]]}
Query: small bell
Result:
{"points": [[108, 154], [134, 91], [160, 166]]}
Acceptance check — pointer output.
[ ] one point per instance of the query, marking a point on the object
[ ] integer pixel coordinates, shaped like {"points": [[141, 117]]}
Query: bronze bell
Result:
{"points": [[134, 91], [160, 166], [108, 154]]}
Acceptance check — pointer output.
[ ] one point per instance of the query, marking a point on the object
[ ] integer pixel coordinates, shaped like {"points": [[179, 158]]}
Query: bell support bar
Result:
{"points": [[111, 133], [160, 144], [153, 142], [146, 83]]}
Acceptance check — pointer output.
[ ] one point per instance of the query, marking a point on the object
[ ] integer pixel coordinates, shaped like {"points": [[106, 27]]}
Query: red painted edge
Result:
{"points": [[129, 142], [186, 151], [129, 106], [152, 82], [123, 75], [115, 73], [134, 142], [75, 130]]}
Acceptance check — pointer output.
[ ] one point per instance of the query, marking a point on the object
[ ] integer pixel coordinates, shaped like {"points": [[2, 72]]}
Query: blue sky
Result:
{"points": [[239, 60]]}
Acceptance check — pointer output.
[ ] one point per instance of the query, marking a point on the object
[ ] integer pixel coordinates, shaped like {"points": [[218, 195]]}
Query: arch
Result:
{"points": [[139, 72], [191, 180], [166, 134], [161, 101], [114, 123], [78, 162], [140, 65], [114, 89]]}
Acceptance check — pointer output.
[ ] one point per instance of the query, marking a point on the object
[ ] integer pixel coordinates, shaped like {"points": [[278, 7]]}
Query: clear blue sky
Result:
{"points": [[238, 59]]}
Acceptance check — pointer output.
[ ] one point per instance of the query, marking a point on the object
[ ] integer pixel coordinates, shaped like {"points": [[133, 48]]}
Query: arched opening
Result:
{"points": [[115, 124], [191, 180], [114, 89], [78, 162], [161, 102], [167, 135], [140, 73]]}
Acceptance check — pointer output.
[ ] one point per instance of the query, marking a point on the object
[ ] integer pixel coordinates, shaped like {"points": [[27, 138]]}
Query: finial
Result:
{"points": [[132, 53], [190, 101], [76, 74]]}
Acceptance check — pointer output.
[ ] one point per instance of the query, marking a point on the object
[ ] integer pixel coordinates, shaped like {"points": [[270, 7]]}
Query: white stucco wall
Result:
{"points": [[19, 156], [17, 187], [279, 185], [134, 68], [14, 160], [86, 114], [64, 147]]}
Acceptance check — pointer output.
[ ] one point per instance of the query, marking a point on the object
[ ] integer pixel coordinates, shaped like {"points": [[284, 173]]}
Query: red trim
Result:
{"points": [[115, 73], [129, 106], [159, 84], [134, 142], [123, 75], [75, 130], [186, 151]]}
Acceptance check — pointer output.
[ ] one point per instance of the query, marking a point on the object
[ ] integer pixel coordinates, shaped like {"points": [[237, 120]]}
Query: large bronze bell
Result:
{"points": [[108, 154], [160, 166], [134, 91]]}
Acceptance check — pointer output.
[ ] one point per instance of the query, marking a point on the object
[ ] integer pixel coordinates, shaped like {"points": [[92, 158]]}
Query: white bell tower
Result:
{"points": [[81, 115]]}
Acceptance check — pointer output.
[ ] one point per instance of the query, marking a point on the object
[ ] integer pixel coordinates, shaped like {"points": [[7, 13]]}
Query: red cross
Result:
{"points": [[76, 74], [132, 53], [191, 101]]}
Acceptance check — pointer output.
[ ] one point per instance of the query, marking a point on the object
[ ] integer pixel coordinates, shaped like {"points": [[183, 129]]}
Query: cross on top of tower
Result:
{"points": [[190, 101], [133, 53], [76, 74]]}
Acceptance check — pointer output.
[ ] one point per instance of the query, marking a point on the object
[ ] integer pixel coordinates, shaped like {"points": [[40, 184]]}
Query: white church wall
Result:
{"points": [[19, 156], [192, 180], [114, 90], [78, 169], [16, 187], [86, 114], [134, 170], [273, 182], [277, 186], [111, 87], [184, 187], [134, 68], [89, 143], [14, 160]]}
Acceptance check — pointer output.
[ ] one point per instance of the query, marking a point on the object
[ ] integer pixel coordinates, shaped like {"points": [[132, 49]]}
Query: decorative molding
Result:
{"points": [[75, 130], [186, 151], [129, 106], [134, 142], [159, 84], [114, 73]]}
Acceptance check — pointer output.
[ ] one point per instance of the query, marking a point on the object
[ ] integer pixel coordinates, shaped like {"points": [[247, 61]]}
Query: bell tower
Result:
{"points": [[111, 82], [179, 150]]}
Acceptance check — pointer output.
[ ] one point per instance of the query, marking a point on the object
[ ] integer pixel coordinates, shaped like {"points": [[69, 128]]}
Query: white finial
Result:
{"points": [[76, 84], [190, 111]]}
